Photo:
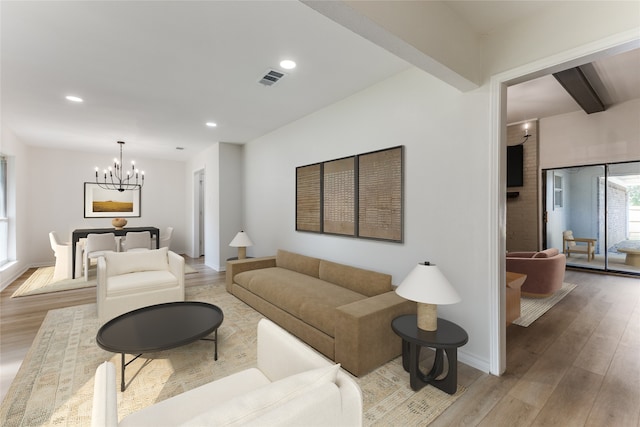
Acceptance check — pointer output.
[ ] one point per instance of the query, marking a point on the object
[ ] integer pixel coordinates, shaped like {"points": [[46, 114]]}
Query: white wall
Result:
{"points": [[577, 139], [231, 200], [222, 163], [54, 199], [445, 135]]}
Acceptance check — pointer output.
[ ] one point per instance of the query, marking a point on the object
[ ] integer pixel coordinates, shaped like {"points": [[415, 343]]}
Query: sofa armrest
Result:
{"points": [[105, 405], [280, 354], [176, 267], [364, 339], [238, 266]]}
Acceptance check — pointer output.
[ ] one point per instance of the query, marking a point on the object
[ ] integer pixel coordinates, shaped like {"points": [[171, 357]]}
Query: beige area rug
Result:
{"points": [[54, 386], [40, 282], [532, 308]]}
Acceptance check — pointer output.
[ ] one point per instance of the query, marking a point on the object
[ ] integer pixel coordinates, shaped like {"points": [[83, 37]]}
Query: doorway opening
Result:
{"points": [[199, 214]]}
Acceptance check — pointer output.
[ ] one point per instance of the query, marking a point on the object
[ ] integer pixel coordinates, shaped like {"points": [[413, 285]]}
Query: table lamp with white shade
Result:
{"points": [[241, 241], [426, 285]]}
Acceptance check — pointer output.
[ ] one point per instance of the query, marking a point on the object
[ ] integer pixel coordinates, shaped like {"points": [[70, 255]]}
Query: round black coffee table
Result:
{"points": [[160, 327]]}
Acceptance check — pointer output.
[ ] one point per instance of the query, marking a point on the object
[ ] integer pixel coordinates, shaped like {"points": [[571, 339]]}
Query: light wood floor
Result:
{"points": [[578, 365]]}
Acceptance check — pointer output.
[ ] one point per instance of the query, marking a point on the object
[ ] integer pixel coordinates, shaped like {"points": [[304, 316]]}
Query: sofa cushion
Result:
{"points": [[365, 282], [547, 253], [131, 262], [253, 404], [296, 262], [144, 280], [312, 300]]}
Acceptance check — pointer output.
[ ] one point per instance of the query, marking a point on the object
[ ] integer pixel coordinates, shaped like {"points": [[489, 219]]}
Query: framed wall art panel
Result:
{"points": [[380, 194], [308, 198], [338, 196]]}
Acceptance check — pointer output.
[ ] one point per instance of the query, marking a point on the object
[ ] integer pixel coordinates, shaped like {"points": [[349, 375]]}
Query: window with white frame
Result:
{"points": [[4, 221]]}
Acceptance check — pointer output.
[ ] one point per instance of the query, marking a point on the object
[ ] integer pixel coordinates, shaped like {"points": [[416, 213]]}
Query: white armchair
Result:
{"points": [[132, 280], [291, 385], [62, 252], [165, 238]]}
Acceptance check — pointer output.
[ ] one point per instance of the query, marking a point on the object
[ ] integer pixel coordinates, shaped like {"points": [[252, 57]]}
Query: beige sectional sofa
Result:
{"points": [[344, 312]]}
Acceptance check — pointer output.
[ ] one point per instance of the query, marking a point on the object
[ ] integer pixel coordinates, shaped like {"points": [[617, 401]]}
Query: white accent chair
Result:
{"points": [[131, 280], [62, 252], [292, 385], [97, 245], [136, 241], [165, 237]]}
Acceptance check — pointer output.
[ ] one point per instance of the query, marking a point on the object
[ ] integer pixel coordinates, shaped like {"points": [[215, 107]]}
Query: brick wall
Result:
{"points": [[522, 229], [618, 215]]}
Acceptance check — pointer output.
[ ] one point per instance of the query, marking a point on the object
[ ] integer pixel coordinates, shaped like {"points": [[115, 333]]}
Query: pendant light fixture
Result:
{"points": [[115, 178]]}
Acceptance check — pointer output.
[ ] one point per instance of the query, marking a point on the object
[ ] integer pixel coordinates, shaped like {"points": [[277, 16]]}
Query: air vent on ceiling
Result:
{"points": [[271, 77]]}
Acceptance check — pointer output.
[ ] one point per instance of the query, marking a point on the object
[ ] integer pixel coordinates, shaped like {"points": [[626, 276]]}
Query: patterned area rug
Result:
{"points": [[532, 308], [40, 282], [54, 386]]}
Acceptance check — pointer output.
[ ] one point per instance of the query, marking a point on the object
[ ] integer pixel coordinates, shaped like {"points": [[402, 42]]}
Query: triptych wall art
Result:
{"points": [[358, 196]]}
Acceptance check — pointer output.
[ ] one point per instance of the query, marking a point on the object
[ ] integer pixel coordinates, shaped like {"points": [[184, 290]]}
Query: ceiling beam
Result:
{"points": [[576, 84]]}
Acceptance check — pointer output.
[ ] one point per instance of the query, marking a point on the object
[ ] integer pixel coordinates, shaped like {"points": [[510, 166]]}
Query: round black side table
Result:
{"points": [[445, 340]]}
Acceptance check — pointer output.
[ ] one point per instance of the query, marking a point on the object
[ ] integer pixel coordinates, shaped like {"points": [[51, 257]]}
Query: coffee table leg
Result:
{"points": [[215, 340], [124, 365], [215, 356], [122, 373]]}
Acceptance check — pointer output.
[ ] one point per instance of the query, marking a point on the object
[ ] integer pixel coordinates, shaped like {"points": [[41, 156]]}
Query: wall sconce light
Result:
{"points": [[526, 133]]}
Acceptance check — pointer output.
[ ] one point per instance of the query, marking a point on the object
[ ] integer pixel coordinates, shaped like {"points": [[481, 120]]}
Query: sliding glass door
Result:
{"points": [[623, 217], [592, 214]]}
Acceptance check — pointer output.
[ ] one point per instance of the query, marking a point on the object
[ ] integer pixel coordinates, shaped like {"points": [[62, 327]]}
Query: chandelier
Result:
{"points": [[115, 177]]}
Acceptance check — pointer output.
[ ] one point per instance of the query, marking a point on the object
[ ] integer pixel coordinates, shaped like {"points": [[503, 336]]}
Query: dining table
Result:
{"points": [[81, 233]]}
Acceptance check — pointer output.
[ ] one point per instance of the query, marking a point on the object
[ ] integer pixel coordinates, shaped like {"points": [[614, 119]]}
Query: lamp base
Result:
{"points": [[242, 252], [427, 317]]}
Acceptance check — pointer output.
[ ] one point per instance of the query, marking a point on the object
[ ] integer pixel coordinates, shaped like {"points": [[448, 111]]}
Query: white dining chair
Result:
{"points": [[165, 238], [96, 246], [136, 241], [62, 252]]}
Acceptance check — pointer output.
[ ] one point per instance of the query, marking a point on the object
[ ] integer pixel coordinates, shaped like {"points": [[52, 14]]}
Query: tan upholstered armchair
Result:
{"points": [[544, 270], [579, 245]]}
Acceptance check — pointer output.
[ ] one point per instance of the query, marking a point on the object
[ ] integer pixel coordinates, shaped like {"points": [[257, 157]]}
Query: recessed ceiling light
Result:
{"points": [[211, 124], [288, 64], [73, 98]]}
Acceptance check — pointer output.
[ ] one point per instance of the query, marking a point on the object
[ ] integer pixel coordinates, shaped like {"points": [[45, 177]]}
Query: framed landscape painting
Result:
{"points": [[101, 203]]}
